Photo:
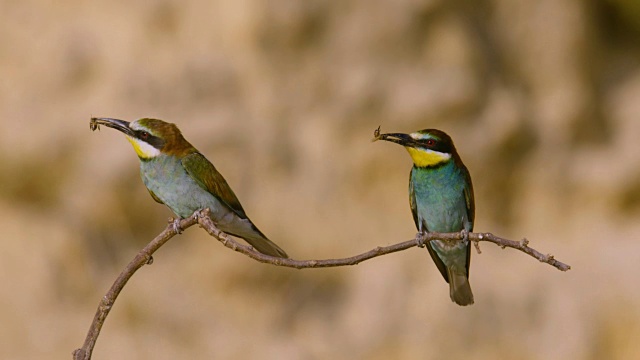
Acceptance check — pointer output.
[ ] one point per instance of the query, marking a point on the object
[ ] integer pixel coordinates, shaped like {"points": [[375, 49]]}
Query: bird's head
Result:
{"points": [[428, 148], [149, 137]]}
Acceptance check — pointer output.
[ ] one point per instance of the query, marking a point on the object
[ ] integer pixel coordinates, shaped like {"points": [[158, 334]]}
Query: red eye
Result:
{"points": [[431, 142], [144, 135]]}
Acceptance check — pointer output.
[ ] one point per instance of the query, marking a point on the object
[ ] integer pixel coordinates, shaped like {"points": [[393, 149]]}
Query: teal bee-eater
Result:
{"points": [[441, 199], [179, 176]]}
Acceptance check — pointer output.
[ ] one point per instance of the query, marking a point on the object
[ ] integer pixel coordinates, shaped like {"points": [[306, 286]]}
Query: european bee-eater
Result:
{"points": [[179, 176], [441, 199]]}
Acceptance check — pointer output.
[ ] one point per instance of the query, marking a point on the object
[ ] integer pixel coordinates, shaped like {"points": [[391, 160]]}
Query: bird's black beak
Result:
{"points": [[398, 138], [120, 125]]}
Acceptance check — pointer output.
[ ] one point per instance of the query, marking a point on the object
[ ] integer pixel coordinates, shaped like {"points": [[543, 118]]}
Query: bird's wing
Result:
{"points": [[206, 175], [470, 203], [469, 200], [414, 210], [157, 199], [412, 202]]}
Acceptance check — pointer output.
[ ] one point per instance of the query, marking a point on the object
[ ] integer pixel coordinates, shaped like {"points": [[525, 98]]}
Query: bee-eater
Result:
{"points": [[441, 199], [179, 176]]}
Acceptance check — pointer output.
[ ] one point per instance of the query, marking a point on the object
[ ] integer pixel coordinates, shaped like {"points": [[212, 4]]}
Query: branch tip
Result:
{"points": [[476, 244]]}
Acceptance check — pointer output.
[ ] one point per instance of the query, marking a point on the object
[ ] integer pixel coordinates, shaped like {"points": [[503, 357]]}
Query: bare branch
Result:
{"points": [[202, 218], [142, 258], [229, 242]]}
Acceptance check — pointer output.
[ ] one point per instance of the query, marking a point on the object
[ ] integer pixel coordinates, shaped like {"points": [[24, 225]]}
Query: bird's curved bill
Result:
{"points": [[398, 138], [117, 124]]}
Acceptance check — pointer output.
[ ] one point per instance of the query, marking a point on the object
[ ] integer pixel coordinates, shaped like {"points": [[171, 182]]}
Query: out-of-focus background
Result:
{"points": [[542, 99]]}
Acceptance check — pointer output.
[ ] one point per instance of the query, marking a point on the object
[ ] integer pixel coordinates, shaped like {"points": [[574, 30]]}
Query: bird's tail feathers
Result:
{"points": [[251, 234], [245, 229], [459, 288], [264, 245]]}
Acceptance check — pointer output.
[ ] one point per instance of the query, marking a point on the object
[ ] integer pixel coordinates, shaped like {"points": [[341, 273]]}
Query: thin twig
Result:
{"points": [[202, 218], [249, 251]]}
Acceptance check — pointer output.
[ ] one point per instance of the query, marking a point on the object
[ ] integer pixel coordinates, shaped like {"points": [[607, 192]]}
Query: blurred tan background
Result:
{"points": [[541, 97]]}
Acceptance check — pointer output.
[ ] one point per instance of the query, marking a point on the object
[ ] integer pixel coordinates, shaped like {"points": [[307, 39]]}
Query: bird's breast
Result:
{"points": [[167, 179], [439, 195]]}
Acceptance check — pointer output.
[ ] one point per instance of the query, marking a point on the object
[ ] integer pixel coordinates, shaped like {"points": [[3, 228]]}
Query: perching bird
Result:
{"points": [[179, 176], [441, 199]]}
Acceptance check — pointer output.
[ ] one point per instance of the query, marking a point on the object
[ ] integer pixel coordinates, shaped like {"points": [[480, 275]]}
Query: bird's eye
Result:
{"points": [[431, 142], [144, 135]]}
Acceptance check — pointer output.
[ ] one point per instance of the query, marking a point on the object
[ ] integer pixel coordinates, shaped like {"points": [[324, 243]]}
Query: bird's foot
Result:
{"points": [[202, 213], [175, 225], [420, 238], [465, 236]]}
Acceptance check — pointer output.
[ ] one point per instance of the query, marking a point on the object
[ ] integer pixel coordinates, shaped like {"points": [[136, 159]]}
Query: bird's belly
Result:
{"points": [[442, 216], [446, 215], [440, 204], [180, 192]]}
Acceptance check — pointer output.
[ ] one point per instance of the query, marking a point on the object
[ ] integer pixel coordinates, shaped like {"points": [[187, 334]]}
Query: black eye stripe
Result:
{"points": [[436, 145], [154, 141], [142, 134]]}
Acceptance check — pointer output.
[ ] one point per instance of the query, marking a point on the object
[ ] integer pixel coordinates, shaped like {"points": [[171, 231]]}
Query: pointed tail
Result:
{"points": [[245, 229], [459, 288], [251, 234], [264, 245]]}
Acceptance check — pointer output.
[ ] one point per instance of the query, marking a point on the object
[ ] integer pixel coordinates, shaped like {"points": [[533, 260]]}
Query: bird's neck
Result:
{"points": [[179, 148]]}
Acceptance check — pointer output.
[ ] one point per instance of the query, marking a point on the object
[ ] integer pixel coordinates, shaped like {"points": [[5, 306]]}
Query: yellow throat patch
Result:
{"points": [[426, 158], [143, 149]]}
